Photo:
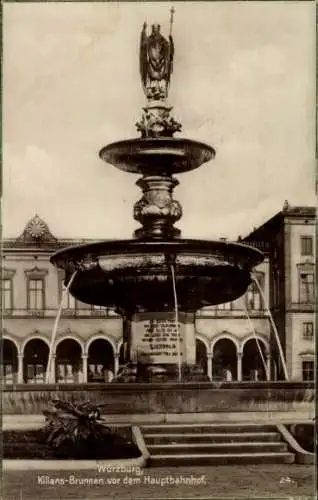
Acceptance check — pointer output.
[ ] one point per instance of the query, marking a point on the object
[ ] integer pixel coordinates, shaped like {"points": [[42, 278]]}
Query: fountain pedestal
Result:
{"points": [[153, 341], [154, 338]]}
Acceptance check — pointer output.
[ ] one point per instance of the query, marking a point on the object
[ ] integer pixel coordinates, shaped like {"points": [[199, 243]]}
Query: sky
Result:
{"points": [[243, 82]]}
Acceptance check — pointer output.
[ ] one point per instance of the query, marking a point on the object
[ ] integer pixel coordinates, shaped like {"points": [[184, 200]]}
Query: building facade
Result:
{"points": [[289, 238], [234, 341]]}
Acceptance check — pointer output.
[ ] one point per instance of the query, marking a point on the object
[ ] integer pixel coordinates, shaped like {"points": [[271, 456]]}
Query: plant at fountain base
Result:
{"points": [[72, 431], [68, 423], [77, 431]]}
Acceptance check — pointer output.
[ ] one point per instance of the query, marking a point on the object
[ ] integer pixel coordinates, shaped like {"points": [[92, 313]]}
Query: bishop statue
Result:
{"points": [[156, 62]]}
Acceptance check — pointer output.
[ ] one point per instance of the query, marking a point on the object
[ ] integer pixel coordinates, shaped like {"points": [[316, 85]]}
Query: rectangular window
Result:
{"points": [[99, 310], [69, 302], [225, 307], [96, 373], [8, 373], [276, 285], [7, 294], [111, 312], [35, 373], [66, 374], [306, 288], [253, 298], [36, 294], [308, 330], [308, 369], [306, 245]]}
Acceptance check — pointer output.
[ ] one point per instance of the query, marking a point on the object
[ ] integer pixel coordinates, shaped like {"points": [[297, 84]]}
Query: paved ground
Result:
{"points": [[267, 481]]}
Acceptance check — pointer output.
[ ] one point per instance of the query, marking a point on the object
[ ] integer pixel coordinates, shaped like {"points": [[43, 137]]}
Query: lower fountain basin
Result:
{"points": [[157, 156], [135, 275]]}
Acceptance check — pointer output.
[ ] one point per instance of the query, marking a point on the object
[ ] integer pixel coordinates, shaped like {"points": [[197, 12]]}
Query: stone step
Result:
{"points": [[217, 448], [204, 437], [221, 459], [206, 428]]}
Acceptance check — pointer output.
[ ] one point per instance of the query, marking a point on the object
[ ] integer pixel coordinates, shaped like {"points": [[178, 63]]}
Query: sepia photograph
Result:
{"points": [[158, 250]]}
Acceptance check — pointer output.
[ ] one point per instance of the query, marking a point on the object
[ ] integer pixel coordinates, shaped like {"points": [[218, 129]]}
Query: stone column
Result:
{"points": [[210, 361], [239, 366], [268, 366], [84, 368], [116, 364], [20, 369], [53, 370], [187, 335]]}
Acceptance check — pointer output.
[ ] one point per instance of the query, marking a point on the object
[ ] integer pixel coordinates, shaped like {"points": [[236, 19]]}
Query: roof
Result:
{"points": [[275, 222], [37, 235]]}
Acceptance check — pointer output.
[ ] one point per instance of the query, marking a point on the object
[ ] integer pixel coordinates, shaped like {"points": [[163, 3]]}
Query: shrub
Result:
{"points": [[78, 431], [69, 422]]}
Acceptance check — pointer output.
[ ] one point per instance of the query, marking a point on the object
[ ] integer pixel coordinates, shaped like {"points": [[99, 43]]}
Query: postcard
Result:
{"points": [[158, 263]]}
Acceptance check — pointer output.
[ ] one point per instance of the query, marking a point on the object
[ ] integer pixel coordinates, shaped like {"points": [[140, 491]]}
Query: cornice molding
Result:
{"points": [[308, 352], [7, 273], [305, 266]]}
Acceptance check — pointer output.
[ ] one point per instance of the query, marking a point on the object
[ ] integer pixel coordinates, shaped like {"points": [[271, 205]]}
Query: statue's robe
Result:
{"points": [[156, 55]]}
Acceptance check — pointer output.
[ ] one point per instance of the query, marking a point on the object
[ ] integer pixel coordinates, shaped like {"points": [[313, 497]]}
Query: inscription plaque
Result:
{"points": [[156, 340]]}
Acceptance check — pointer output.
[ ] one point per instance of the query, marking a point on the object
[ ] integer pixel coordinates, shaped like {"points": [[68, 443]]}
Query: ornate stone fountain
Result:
{"points": [[146, 277]]}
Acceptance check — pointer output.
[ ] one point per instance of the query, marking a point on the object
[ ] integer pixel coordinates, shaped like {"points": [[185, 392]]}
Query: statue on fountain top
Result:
{"points": [[156, 62]]}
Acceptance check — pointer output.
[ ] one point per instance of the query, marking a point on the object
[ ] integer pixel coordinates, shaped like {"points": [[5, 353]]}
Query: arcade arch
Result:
{"points": [[201, 353], [101, 360], [68, 361], [255, 366], [35, 359], [225, 360], [10, 361]]}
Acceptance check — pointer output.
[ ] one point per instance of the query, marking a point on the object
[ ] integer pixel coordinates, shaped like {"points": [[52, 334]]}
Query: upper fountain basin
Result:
{"points": [[132, 275], [157, 156]]}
